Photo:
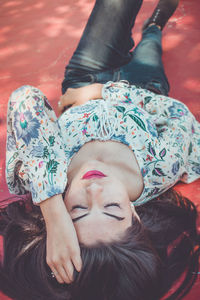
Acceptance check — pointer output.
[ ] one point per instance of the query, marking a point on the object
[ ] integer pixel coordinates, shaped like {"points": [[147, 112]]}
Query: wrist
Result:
{"points": [[97, 90], [53, 209]]}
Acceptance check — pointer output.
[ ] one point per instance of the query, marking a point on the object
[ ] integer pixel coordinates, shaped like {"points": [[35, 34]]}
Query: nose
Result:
{"points": [[94, 189]]}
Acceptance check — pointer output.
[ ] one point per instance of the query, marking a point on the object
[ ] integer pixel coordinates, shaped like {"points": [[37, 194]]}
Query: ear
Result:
{"points": [[135, 214]]}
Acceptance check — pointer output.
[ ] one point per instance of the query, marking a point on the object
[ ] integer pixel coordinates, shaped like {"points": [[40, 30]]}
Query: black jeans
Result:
{"points": [[104, 51]]}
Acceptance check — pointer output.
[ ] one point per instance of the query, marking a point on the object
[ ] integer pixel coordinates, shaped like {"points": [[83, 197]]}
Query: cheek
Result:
{"points": [[69, 197], [114, 188], [73, 196], [119, 194], [66, 201]]}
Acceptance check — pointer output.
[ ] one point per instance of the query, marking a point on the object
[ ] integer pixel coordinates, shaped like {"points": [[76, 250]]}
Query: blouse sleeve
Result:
{"points": [[35, 158], [177, 126], [173, 146]]}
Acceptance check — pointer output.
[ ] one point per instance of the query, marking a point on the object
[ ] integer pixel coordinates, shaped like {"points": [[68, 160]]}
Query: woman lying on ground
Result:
{"points": [[106, 225]]}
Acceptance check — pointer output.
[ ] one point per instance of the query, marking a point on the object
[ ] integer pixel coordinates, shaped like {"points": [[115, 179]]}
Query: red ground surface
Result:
{"points": [[37, 38]]}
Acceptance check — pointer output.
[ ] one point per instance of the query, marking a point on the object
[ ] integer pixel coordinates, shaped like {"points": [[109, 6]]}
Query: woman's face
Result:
{"points": [[99, 204]]}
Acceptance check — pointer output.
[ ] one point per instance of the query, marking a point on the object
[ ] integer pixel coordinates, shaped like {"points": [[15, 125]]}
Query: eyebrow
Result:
{"points": [[105, 213]]}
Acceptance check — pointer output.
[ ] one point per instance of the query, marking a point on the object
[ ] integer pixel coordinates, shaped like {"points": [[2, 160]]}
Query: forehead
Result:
{"points": [[92, 229]]}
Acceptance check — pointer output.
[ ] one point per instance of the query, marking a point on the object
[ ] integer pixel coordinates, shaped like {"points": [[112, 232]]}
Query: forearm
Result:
{"points": [[88, 92], [34, 140], [53, 209], [95, 90], [62, 247]]}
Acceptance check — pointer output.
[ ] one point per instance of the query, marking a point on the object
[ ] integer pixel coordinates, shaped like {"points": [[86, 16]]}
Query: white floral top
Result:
{"points": [[161, 131]]}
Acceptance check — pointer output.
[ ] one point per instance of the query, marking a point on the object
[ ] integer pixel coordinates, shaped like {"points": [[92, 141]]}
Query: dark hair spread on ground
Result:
{"points": [[142, 266]]}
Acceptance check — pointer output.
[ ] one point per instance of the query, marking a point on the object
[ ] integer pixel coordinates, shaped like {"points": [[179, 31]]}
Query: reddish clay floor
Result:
{"points": [[37, 38]]}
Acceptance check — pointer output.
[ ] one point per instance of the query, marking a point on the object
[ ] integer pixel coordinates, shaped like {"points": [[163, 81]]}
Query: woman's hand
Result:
{"points": [[63, 251], [79, 96]]}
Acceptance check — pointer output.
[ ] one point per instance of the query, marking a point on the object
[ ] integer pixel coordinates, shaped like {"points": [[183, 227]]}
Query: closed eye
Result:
{"points": [[78, 206], [112, 204]]}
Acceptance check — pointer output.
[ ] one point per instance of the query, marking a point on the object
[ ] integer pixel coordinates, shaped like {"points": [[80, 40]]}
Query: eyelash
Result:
{"points": [[107, 205], [112, 204], [78, 206]]}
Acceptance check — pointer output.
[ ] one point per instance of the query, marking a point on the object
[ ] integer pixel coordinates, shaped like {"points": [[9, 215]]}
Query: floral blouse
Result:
{"points": [[161, 131]]}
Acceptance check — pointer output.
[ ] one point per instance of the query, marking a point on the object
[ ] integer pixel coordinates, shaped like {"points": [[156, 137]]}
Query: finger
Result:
{"points": [[135, 214], [60, 106], [77, 262], [63, 274], [69, 269], [65, 101], [56, 275], [62, 102]]}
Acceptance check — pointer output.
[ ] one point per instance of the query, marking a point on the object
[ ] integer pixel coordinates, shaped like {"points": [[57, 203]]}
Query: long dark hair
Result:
{"points": [[143, 265]]}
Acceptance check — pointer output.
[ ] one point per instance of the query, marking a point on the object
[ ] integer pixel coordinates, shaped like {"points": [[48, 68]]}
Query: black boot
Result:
{"points": [[163, 11]]}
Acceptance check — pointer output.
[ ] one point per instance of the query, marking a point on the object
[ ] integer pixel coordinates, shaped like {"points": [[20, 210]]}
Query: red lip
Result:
{"points": [[93, 174]]}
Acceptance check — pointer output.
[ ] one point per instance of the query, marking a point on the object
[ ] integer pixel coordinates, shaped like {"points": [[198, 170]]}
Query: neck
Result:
{"points": [[117, 156]]}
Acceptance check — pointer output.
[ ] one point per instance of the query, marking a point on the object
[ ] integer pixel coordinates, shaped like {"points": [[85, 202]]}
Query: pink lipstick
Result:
{"points": [[93, 174]]}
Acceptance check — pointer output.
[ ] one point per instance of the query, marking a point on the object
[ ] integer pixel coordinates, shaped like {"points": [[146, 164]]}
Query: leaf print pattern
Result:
{"points": [[121, 109], [45, 152], [169, 132], [127, 98], [175, 167], [162, 153], [68, 124], [190, 148], [151, 149], [46, 103], [95, 118], [38, 151], [147, 99], [39, 111], [81, 109], [196, 169], [152, 129], [134, 117], [162, 133], [52, 166], [138, 120], [11, 143], [52, 140], [37, 163], [158, 172]]}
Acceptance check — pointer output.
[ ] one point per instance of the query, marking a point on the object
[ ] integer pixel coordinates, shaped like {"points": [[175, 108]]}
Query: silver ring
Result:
{"points": [[53, 275]]}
